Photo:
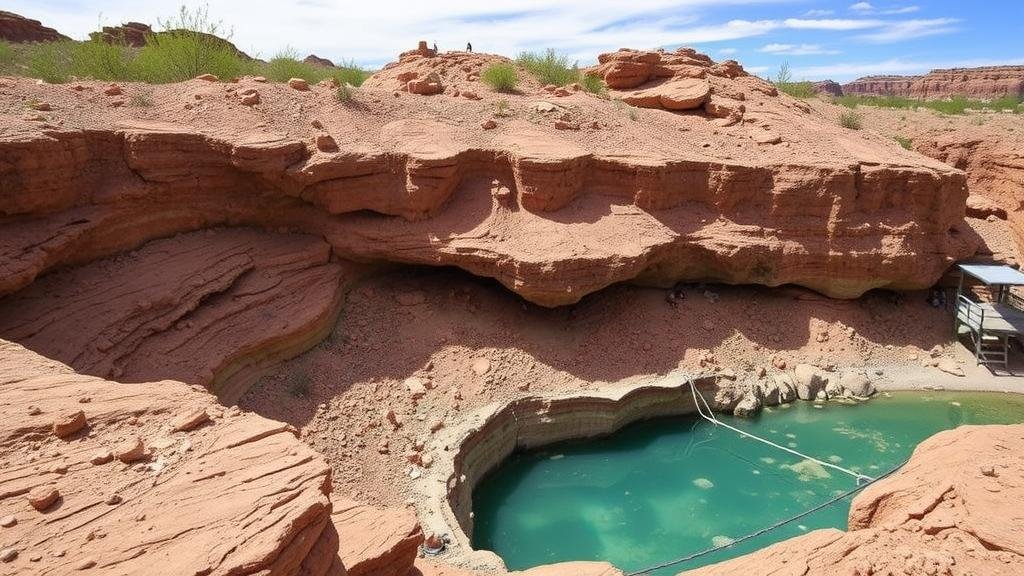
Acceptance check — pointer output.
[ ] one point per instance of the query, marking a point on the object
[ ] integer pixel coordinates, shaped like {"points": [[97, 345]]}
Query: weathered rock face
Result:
{"points": [[781, 197], [185, 308], [376, 542], [984, 83], [130, 34], [830, 87], [995, 168], [15, 28], [944, 512], [176, 506], [318, 61]]}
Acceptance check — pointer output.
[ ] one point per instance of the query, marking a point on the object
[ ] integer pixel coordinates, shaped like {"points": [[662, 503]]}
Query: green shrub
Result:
{"points": [[907, 143], [6, 55], [851, 120], [344, 93], [286, 65], [550, 67], [955, 105], [784, 82], [349, 73], [98, 60], [501, 108], [49, 61], [501, 77], [594, 84], [190, 45]]}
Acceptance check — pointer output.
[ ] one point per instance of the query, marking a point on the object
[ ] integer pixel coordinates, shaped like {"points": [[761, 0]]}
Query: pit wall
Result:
{"points": [[486, 437]]}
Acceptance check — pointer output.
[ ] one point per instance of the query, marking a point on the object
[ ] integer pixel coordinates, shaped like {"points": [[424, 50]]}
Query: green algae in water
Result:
{"points": [[662, 489]]}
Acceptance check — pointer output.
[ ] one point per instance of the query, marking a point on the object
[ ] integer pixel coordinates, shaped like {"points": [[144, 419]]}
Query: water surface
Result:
{"points": [[662, 489]]}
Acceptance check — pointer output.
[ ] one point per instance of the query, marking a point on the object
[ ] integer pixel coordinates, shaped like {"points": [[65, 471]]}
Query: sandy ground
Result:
{"points": [[469, 342]]}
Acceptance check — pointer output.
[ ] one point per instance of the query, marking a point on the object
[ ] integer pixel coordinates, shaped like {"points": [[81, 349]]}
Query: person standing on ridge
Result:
{"points": [[435, 47], [469, 47]]}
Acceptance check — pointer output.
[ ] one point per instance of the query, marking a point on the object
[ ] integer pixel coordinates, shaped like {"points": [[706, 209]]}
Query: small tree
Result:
{"points": [[501, 77]]}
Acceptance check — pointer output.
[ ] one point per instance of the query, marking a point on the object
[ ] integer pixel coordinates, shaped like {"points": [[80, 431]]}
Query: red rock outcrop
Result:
{"points": [[213, 491], [376, 542], [15, 28], [129, 34], [830, 87], [318, 61], [943, 513], [782, 197], [983, 83], [184, 308]]}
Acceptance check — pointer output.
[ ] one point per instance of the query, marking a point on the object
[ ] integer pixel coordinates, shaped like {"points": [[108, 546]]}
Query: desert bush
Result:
{"points": [[851, 120], [501, 77], [549, 67], [6, 55], [189, 45], [907, 143], [784, 82], [285, 65], [98, 60], [49, 61], [349, 73], [594, 84], [343, 93]]}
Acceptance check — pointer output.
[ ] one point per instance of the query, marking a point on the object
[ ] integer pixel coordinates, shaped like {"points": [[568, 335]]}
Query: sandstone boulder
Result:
{"points": [[810, 380], [979, 206], [681, 94], [426, 86], [857, 383], [376, 542]]}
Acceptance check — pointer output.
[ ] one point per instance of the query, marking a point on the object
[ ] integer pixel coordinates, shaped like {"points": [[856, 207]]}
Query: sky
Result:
{"points": [[818, 39]]}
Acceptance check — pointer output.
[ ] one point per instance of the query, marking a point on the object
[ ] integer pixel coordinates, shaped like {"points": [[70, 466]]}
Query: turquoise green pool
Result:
{"points": [[665, 488]]}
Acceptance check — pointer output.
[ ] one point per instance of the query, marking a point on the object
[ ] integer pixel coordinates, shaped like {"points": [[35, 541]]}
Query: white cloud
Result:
{"points": [[862, 7], [795, 49], [832, 24], [910, 29], [818, 13], [904, 10]]}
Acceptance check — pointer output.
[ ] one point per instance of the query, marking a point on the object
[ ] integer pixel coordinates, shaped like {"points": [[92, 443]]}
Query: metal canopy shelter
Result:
{"points": [[990, 324]]}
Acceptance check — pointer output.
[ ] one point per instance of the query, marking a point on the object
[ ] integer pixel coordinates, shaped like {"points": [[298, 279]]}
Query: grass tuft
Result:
{"points": [[6, 55], [190, 45], [594, 84], [344, 93], [141, 99], [851, 119], [549, 67], [501, 77], [906, 143]]}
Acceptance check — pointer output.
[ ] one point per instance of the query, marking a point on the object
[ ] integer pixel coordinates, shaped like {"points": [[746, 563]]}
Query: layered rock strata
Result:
{"points": [[780, 197], [988, 82], [185, 308], [152, 478]]}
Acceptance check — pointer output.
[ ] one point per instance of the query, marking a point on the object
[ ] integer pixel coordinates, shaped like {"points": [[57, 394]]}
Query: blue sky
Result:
{"points": [[819, 39]]}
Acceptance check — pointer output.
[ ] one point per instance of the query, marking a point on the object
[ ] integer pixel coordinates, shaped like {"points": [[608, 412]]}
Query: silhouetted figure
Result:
{"points": [[435, 47], [469, 47]]}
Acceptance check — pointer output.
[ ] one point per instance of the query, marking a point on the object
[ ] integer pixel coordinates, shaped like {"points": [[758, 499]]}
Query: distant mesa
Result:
{"points": [[989, 82], [15, 28], [829, 87], [318, 61]]}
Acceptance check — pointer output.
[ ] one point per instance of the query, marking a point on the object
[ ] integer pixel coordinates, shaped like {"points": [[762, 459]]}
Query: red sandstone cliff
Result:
{"points": [[751, 187], [983, 83], [15, 28]]}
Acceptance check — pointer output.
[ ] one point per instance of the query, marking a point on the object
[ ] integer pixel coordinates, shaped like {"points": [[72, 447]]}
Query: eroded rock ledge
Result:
{"points": [[153, 478], [779, 196], [209, 308]]}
